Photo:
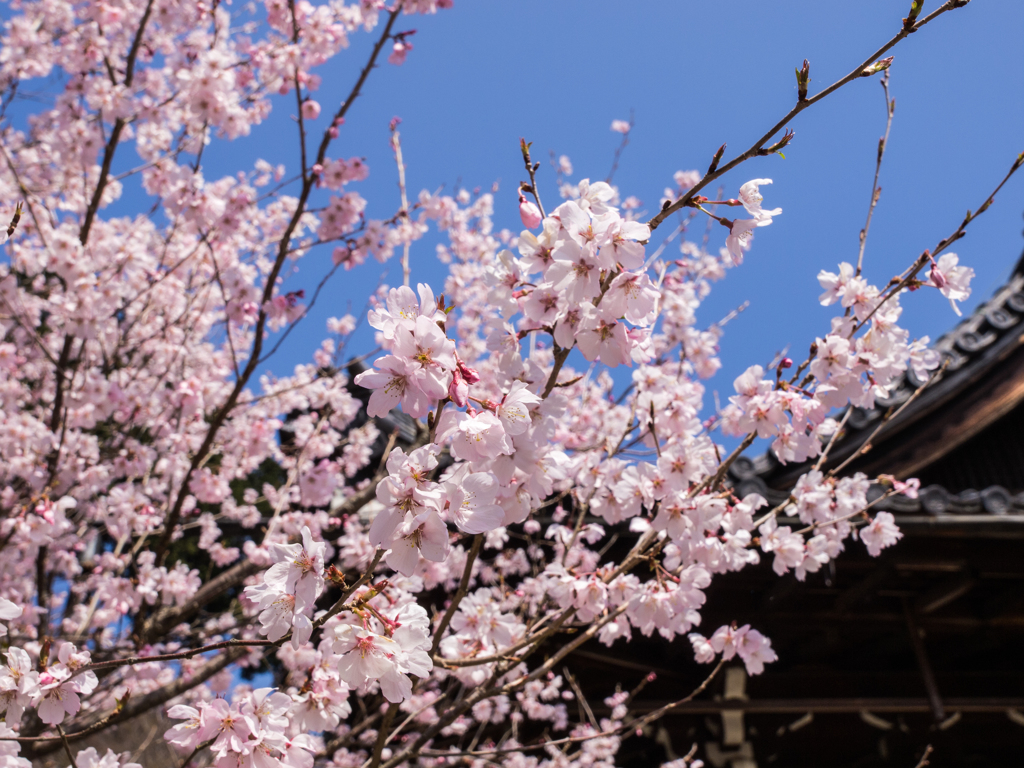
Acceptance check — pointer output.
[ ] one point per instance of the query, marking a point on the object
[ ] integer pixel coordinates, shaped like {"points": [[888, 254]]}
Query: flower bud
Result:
{"points": [[310, 109], [529, 213], [399, 51], [803, 77], [469, 374], [458, 390], [879, 66], [915, 10]]}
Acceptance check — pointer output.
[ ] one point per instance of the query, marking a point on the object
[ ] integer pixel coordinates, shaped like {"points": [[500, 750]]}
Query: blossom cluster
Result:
{"points": [[252, 730]]}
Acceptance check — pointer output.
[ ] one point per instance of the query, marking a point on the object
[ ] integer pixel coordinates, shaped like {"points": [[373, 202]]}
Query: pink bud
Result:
{"points": [[786, 363], [310, 109], [529, 213], [458, 390], [399, 51], [937, 278], [333, 131], [469, 374]]}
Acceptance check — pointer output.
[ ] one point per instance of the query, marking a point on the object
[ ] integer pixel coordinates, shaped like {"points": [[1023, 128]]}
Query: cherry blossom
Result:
{"points": [[750, 196], [880, 533], [952, 280], [368, 656], [18, 681], [8, 611], [741, 232]]}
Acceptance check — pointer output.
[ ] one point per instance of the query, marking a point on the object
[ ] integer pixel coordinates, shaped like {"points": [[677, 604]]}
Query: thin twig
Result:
{"points": [[199, 748], [531, 168], [584, 704], [621, 147], [218, 418], [832, 440], [910, 275], [883, 143], [467, 574], [757, 148], [396, 145], [924, 758]]}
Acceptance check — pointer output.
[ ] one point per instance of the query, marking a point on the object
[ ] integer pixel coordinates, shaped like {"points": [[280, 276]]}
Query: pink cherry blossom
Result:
{"points": [[741, 232], [310, 109], [880, 533], [952, 280], [472, 502], [750, 196]]}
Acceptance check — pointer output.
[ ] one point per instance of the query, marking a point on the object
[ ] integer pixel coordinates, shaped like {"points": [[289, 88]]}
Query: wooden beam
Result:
{"points": [[997, 706], [927, 675]]}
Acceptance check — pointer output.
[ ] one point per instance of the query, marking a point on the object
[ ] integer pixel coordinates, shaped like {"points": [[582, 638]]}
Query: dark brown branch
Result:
{"points": [[166, 618], [67, 747], [115, 133], [378, 747], [759, 146], [531, 169], [910, 275], [467, 574]]}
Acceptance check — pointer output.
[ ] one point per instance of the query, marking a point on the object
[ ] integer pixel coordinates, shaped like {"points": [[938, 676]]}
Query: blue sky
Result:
{"points": [[696, 75]]}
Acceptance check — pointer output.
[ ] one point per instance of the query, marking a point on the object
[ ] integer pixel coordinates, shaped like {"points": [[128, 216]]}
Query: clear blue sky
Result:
{"points": [[696, 75]]}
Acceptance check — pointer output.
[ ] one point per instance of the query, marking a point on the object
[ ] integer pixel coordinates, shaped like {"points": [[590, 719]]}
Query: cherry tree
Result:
{"points": [[160, 534]]}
